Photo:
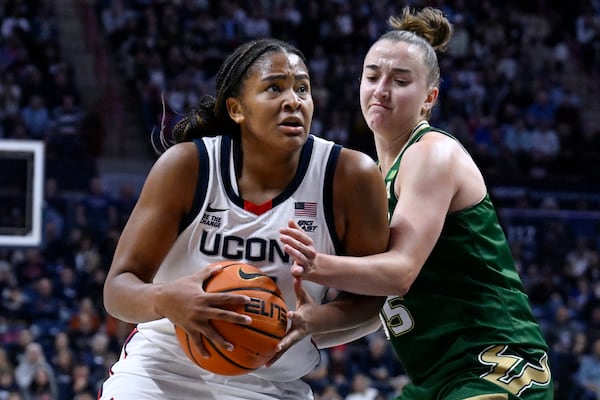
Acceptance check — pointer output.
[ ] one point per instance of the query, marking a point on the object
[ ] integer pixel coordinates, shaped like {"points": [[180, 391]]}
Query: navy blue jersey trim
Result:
{"points": [[328, 197], [226, 149], [303, 164], [201, 186], [305, 156]]}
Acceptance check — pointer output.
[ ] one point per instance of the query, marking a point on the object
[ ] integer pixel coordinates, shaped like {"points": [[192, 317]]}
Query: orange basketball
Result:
{"points": [[255, 343]]}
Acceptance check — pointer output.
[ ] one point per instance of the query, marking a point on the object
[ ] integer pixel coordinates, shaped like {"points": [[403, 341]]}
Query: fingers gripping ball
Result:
{"points": [[255, 343]]}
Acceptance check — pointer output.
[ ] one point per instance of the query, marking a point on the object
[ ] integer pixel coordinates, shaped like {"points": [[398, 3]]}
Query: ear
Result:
{"points": [[235, 110], [431, 98]]}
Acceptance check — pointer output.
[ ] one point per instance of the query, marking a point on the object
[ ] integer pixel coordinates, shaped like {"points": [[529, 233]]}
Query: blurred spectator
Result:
{"points": [[55, 200], [545, 150], [32, 360], [31, 267], [115, 18], [66, 138], [564, 328], [33, 84], [43, 304], [330, 392], [338, 127], [67, 289], [20, 338], [10, 101], [361, 388], [96, 211], [7, 278], [592, 318], [43, 311], [15, 396], [580, 259], [61, 88], [43, 386], [99, 356], [14, 21], [318, 378], [379, 362], [5, 362], [587, 33], [82, 327], [257, 25], [63, 363], [7, 378], [564, 362], [341, 369], [7, 384], [579, 296], [36, 117], [82, 384], [588, 375], [54, 248]]}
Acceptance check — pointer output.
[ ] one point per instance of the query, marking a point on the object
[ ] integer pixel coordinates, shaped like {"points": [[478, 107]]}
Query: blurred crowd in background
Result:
{"points": [[517, 82]]}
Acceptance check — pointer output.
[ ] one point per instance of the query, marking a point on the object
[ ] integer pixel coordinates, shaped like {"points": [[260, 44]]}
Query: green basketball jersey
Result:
{"points": [[466, 304]]}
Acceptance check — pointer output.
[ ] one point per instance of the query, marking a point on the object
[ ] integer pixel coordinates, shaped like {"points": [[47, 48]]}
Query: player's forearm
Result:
{"points": [[376, 275], [349, 312], [336, 338], [129, 299]]}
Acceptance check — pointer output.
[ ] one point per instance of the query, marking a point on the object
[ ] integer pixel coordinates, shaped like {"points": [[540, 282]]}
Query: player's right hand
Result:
{"points": [[187, 305]]}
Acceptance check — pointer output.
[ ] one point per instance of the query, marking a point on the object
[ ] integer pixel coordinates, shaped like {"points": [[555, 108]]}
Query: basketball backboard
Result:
{"points": [[21, 192]]}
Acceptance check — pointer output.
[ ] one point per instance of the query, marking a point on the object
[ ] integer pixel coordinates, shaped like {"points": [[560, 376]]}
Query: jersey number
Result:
{"points": [[396, 318]]}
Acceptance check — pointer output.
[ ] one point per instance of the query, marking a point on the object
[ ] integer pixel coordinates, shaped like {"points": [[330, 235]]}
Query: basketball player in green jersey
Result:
{"points": [[457, 314]]}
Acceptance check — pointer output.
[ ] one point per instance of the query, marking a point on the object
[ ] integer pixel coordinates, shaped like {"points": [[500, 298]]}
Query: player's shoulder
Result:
{"points": [[179, 162], [356, 161], [434, 148], [356, 169], [179, 153]]}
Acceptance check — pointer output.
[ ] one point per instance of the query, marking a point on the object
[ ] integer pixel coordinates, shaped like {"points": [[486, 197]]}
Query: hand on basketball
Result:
{"points": [[187, 305], [300, 247], [300, 326]]}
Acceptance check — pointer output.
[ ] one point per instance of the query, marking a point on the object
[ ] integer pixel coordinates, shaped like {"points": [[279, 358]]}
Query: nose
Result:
{"points": [[292, 101], [382, 90]]}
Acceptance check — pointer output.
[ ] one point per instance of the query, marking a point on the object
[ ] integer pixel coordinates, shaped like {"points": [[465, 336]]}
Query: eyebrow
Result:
{"points": [[298, 77], [376, 67]]}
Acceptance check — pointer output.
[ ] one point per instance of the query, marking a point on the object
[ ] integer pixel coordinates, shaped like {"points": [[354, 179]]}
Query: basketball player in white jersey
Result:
{"points": [[240, 165]]}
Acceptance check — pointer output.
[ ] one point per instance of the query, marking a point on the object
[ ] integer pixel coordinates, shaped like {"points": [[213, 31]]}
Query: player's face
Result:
{"points": [[276, 105], [394, 94]]}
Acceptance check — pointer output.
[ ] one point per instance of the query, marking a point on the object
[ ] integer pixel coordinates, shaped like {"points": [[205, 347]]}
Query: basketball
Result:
{"points": [[255, 343]]}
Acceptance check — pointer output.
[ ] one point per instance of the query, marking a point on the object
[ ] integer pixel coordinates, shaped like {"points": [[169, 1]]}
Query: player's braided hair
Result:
{"points": [[210, 117]]}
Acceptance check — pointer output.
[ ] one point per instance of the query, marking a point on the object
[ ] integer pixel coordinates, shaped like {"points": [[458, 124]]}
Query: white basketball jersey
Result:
{"points": [[222, 226]]}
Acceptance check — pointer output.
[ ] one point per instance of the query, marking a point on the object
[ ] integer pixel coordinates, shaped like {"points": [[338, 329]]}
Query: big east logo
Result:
{"points": [[307, 225]]}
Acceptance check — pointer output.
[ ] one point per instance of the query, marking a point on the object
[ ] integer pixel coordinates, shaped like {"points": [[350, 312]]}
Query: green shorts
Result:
{"points": [[497, 373]]}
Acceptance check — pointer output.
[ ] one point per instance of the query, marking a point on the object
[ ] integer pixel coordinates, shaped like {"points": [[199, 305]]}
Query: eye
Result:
{"points": [[274, 88], [303, 89]]}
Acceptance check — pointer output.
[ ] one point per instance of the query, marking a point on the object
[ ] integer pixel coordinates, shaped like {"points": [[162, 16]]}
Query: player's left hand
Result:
{"points": [[300, 321]]}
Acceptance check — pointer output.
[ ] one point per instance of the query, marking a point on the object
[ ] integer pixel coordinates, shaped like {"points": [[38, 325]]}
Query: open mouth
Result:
{"points": [[292, 124]]}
